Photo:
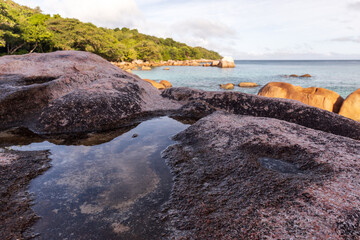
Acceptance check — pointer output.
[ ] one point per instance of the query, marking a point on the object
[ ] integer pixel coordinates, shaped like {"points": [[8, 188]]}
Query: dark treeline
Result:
{"points": [[26, 30]]}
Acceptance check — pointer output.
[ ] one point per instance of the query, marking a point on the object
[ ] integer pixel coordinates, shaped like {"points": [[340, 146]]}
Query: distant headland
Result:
{"points": [[26, 30]]}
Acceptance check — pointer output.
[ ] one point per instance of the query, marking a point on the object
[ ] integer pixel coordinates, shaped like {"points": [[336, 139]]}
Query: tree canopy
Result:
{"points": [[26, 30]]}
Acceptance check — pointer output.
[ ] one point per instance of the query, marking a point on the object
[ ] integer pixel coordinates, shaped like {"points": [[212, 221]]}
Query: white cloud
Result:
{"points": [[354, 5], [353, 39], [106, 13], [203, 28]]}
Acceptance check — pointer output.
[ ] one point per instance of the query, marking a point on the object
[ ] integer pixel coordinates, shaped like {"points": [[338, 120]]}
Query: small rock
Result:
{"points": [[248, 84], [306, 76], [166, 69], [135, 135], [166, 84], [146, 68], [294, 76], [228, 86], [155, 84]]}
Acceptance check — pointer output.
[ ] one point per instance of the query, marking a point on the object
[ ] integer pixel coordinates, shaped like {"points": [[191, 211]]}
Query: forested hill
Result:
{"points": [[24, 30]]}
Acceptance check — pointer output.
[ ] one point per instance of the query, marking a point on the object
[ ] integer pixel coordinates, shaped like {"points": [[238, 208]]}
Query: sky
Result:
{"points": [[243, 29]]}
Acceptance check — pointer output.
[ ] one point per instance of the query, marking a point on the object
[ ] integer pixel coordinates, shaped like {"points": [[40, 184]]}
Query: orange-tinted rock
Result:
{"points": [[227, 62], [146, 68], [206, 65], [228, 86], [128, 70], [351, 106], [155, 84], [215, 63], [166, 84], [316, 97], [306, 76], [294, 75], [166, 68], [248, 84]]}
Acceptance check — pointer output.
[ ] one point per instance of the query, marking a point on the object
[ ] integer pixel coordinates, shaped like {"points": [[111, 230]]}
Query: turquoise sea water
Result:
{"points": [[342, 77]]}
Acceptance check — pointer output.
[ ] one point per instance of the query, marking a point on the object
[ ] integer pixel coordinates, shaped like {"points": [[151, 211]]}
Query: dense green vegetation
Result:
{"points": [[26, 30]]}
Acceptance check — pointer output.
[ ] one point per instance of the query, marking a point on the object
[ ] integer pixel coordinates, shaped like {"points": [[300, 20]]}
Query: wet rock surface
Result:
{"points": [[241, 177], [258, 106], [17, 169], [69, 91]]}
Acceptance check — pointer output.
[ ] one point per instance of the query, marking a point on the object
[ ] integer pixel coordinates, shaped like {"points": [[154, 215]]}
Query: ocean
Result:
{"points": [[341, 76]]}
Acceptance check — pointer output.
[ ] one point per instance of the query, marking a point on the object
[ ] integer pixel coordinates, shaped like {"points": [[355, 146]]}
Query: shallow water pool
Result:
{"points": [[106, 186]]}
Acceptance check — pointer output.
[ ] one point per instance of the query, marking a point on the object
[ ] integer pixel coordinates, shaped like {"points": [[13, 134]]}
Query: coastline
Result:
{"points": [[135, 65]]}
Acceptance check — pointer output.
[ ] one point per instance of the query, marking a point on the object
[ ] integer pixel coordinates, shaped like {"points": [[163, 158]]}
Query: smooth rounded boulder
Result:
{"points": [[313, 96], [228, 86], [215, 63], [146, 68], [248, 84], [226, 62], [166, 84], [155, 84], [70, 92], [351, 106]]}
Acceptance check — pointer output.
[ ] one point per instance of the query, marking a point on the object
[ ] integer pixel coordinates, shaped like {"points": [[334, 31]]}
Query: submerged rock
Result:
{"points": [[17, 169], [227, 86], [260, 178], [69, 91], [313, 96], [258, 106], [351, 106], [248, 84]]}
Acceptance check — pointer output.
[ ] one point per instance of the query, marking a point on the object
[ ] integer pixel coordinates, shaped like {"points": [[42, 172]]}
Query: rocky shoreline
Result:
{"points": [[226, 62], [238, 170]]}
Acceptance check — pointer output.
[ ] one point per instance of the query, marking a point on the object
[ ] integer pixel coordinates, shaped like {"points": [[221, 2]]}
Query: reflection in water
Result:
{"points": [[109, 191]]}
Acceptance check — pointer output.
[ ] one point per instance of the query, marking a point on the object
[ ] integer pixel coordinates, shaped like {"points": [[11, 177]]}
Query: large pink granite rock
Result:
{"points": [[243, 177], [70, 91]]}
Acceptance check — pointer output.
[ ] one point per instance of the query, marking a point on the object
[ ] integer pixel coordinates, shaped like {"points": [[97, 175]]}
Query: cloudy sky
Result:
{"points": [[244, 29]]}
